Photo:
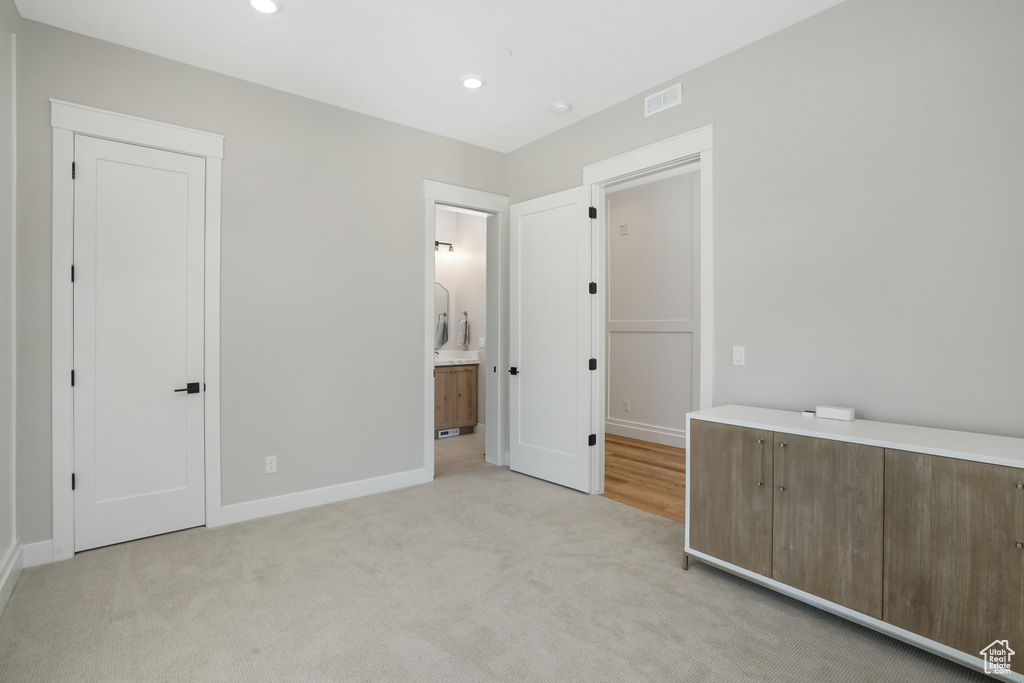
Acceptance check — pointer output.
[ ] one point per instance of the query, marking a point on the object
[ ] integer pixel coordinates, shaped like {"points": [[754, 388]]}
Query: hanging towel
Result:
{"points": [[463, 333], [440, 334]]}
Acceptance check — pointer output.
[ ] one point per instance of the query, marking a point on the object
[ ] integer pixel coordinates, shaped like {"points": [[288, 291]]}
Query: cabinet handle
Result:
{"points": [[1020, 545], [760, 446], [1020, 484], [780, 461]]}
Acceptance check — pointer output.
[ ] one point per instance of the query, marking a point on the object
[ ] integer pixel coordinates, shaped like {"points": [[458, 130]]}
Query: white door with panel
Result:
{"points": [[552, 317], [138, 341]]}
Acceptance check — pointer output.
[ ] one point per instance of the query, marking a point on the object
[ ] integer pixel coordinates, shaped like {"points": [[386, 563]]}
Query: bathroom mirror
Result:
{"points": [[440, 315]]}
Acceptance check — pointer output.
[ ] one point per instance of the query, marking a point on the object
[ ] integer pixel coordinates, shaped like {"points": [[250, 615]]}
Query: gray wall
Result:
{"points": [[652, 309], [868, 221], [9, 22], [322, 267]]}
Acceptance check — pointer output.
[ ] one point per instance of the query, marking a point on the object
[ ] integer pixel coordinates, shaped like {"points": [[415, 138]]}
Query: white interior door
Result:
{"points": [[138, 340], [551, 339]]}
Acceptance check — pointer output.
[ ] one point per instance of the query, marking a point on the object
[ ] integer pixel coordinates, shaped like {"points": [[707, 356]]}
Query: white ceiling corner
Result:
{"points": [[401, 60]]}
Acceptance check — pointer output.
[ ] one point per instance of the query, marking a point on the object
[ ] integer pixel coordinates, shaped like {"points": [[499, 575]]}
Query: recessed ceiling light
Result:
{"points": [[504, 54], [561, 108], [473, 82], [267, 6]]}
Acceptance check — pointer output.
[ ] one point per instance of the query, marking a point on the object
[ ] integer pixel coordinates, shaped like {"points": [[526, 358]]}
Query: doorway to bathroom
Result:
{"points": [[460, 341], [466, 305]]}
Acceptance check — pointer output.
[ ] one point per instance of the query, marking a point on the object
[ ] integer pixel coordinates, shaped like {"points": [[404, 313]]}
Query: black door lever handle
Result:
{"points": [[191, 388]]}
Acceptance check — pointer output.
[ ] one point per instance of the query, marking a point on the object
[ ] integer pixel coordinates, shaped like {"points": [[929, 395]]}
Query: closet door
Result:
{"points": [[138, 341]]}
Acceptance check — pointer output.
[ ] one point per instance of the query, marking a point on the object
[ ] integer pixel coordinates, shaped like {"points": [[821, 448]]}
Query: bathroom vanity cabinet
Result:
{"points": [[455, 398], [914, 532]]}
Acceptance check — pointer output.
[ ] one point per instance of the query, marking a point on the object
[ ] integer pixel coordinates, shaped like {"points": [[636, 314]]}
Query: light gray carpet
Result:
{"points": [[484, 575]]}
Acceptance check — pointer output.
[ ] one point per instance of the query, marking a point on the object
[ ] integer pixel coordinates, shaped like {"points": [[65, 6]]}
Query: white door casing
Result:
{"points": [[67, 120], [138, 338], [551, 341]]}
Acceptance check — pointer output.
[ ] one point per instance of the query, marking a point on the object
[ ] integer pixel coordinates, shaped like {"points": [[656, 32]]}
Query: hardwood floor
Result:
{"points": [[646, 475], [641, 474], [457, 453]]}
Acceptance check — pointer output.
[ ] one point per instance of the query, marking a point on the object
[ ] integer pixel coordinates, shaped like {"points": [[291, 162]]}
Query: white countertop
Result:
{"points": [[455, 361], [996, 450]]}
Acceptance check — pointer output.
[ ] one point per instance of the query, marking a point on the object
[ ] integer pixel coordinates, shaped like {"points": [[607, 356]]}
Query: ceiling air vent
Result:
{"points": [[660, 101]]}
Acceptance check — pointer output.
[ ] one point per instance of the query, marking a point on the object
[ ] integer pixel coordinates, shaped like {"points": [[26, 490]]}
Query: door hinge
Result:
{"points": [[72, 481], [72, 378], [593, 288], [72, 272], [593, 364], [593, 212], [72, 170], [592, 440]]}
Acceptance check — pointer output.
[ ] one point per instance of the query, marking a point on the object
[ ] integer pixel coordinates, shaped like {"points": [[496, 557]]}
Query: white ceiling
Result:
{"points": [[401, 60]]}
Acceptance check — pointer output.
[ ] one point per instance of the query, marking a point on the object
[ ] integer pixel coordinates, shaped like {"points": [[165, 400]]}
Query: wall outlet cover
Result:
{"points": [[271, 464]]}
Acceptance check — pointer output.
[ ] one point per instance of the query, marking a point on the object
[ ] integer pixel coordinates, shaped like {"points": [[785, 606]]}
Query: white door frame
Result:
{"points": [[66, 120], [496, 417], [696, 144]]}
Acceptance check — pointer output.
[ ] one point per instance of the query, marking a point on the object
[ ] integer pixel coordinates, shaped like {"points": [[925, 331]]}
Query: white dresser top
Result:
{"points": [[996, 450]]}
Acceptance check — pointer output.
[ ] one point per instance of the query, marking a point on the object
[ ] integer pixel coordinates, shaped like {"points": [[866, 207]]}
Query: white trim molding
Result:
{"points": [[67, 120], [10, 570], [688, 147], [290, 502], [666, 436], [35, 554]]}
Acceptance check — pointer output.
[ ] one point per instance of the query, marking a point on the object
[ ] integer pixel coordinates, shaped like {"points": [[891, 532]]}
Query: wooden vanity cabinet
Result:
{"points": [[953, 569], [827, 522], [731, 484], [455, 398]]}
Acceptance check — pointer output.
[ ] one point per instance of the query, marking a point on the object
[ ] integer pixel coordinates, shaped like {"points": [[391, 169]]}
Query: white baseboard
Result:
{"points": [[10, 570], [480, 428], [666, 436], [265, 507], [34, 554]]}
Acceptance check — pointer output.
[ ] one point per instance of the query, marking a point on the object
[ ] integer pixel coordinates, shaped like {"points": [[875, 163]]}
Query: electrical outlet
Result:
{"points": [[271, 464], [625, 406]]}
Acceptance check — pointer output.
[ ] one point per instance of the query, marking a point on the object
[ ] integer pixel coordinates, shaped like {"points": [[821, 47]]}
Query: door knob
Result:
{"points": [[191, 388], [513, 370]]}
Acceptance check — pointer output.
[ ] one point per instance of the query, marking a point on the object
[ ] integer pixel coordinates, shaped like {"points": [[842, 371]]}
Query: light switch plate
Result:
{"points": [[624, 229], [739, 355], [483, 342]]}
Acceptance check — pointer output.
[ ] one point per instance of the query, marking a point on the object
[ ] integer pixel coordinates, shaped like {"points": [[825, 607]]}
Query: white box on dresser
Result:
{"points": [[776, 433]]}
